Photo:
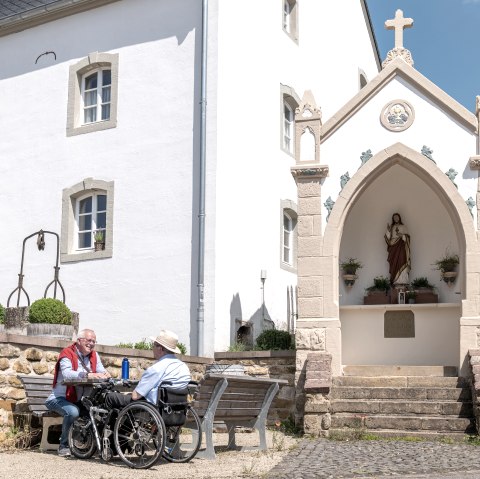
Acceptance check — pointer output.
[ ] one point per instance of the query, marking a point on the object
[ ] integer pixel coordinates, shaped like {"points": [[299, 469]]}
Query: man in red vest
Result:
{"points": [[76, 361]]}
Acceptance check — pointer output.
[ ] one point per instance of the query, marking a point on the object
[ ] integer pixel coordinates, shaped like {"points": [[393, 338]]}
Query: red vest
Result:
{"points": [[70, 353]]}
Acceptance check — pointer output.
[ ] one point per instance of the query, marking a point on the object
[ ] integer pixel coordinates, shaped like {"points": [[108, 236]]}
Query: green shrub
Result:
{"points": [[237, 347], [49, 310], [182, 347], [143, 344], [2, 314], [275, 339], [147, 345]]}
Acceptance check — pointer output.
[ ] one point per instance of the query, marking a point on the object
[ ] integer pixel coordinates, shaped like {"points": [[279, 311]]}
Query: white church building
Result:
{"points": [[231, 164], [167, 129]]}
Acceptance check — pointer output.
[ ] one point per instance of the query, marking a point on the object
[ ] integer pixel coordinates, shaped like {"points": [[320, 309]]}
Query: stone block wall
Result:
{"points": [[269, 364], [318, 381], [36, 355], [474, 355]]}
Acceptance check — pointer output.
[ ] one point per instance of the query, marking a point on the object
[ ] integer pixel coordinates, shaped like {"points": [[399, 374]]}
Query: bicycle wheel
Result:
{"points": [[183, 442], [81, 439], [139, 435]]}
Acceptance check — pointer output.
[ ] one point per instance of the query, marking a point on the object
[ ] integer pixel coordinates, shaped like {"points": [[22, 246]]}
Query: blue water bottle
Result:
{"points": [[125, 368]]}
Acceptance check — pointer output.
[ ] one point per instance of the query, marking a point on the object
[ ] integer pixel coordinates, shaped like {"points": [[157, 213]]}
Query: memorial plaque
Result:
{"points": [[399, 324]]}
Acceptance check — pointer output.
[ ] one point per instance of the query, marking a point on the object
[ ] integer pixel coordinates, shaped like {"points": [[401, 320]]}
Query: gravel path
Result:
{"points": [[32, 464]]}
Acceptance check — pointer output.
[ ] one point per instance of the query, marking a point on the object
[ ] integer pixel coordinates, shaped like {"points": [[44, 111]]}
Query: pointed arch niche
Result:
{"points": [[399, 179]]}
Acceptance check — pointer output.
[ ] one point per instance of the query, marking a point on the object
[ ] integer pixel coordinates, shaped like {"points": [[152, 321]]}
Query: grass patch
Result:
{"points": [[12, 438], [473, 440]]}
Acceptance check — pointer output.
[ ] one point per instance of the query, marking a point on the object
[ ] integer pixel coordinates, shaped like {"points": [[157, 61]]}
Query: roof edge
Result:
{"points": [[47, 13], [424, 85]]}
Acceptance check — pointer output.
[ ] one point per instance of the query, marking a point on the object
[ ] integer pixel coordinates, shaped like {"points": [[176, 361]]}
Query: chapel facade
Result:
{"points": [[401, 147]]}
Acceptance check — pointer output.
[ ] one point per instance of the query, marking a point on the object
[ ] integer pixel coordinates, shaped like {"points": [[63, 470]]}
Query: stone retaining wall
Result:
{"points": [[21, 354], [474, 359]]}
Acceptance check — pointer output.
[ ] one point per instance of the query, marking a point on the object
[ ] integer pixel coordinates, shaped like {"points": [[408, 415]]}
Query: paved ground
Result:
{"points": [[323, 458], [287, 458]]}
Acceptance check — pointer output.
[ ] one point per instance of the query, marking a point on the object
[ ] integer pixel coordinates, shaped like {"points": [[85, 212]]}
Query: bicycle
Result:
{"points": [[138, 429]]}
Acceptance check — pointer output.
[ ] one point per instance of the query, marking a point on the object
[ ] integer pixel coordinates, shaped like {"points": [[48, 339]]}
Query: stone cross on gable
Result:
{"points": [[399, 51], [398, 24]]}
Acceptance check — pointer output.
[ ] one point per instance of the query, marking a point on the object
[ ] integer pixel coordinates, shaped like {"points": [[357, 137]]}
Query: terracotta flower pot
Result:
{"points": [[99, 246]]}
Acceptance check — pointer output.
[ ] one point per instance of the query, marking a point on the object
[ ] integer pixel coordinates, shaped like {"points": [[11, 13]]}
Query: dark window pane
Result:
{"points": [[101, 220], [101, 202], [86, 205], [106, 112], [91, 82], [90, 98], [85, 223], [90, 115], [107, 77], [106, 95], [85, 240]]}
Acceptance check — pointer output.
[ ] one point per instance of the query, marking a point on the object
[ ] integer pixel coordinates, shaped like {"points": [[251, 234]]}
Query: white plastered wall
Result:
{"points": [[253, 174]]}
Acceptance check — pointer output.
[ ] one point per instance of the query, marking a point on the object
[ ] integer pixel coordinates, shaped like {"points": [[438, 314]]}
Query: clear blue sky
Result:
{"points": [[444, 41]]}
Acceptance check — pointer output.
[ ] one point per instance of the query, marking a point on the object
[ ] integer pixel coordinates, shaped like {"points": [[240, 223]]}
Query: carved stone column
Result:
{"points": [[310, 280]]}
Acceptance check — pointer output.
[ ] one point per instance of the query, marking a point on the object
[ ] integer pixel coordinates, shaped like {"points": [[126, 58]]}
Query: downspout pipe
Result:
{"points": [[201, 200]]}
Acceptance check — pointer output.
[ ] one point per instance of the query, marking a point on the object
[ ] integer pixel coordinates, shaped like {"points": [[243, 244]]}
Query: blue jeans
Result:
{"points": [[69, 411]]}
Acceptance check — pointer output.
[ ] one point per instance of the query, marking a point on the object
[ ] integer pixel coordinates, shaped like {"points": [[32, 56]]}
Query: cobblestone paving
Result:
{"points": [[322, 458]]}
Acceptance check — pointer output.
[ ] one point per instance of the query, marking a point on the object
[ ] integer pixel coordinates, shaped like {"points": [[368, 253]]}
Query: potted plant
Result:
{"points": [[99, 237], [378, 292], [424, 290], [447, 265], [421, 283], [410, 295], [349, 268]]}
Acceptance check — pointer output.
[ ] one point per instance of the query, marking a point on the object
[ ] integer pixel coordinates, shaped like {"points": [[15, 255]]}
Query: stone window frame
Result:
{"points": [[289, 207], [77, 72], [68, 251], [290, 20], [288, 95]]}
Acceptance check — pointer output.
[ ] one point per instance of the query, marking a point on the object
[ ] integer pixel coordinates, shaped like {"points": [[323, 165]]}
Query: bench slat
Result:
{"points": [[36, 400]]}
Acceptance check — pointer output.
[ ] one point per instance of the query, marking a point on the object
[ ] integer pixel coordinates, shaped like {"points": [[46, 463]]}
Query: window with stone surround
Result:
{"points": [[288, 250], [87, 209], [93, 94], [289, 101]]}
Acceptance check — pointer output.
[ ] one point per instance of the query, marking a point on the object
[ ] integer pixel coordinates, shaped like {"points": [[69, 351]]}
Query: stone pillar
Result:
{"points": [[310, 262], [309, 271]]}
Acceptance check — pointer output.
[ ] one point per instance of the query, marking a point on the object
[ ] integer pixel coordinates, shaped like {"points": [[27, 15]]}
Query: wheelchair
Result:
{"points": [[139, 433]]}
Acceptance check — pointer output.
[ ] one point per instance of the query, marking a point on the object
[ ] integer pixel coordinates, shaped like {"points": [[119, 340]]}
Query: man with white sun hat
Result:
{"points": [[167, 368]]}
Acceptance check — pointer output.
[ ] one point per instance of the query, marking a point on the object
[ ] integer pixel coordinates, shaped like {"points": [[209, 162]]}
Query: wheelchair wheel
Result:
{"points": [[183, 442], [81, 439], [139, 435]]}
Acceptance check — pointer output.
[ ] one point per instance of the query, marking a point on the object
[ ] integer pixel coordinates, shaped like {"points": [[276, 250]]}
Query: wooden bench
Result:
{"points": [[37, 389], [237, 401]]}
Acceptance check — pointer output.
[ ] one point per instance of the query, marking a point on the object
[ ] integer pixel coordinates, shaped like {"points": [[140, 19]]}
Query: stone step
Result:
{"points": [[398, 370], [407, 423], [393, 407], [419, 393], [401, 381], [388, 433]]}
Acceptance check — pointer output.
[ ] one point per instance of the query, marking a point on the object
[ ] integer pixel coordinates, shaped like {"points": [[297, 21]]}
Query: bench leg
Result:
{"points": [[231, 436], [47, 422], [258, 426], [207, 428]]}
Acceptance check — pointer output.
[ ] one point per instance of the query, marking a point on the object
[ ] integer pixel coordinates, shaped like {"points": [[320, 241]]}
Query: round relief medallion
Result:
{"points": [[397, 115]]}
